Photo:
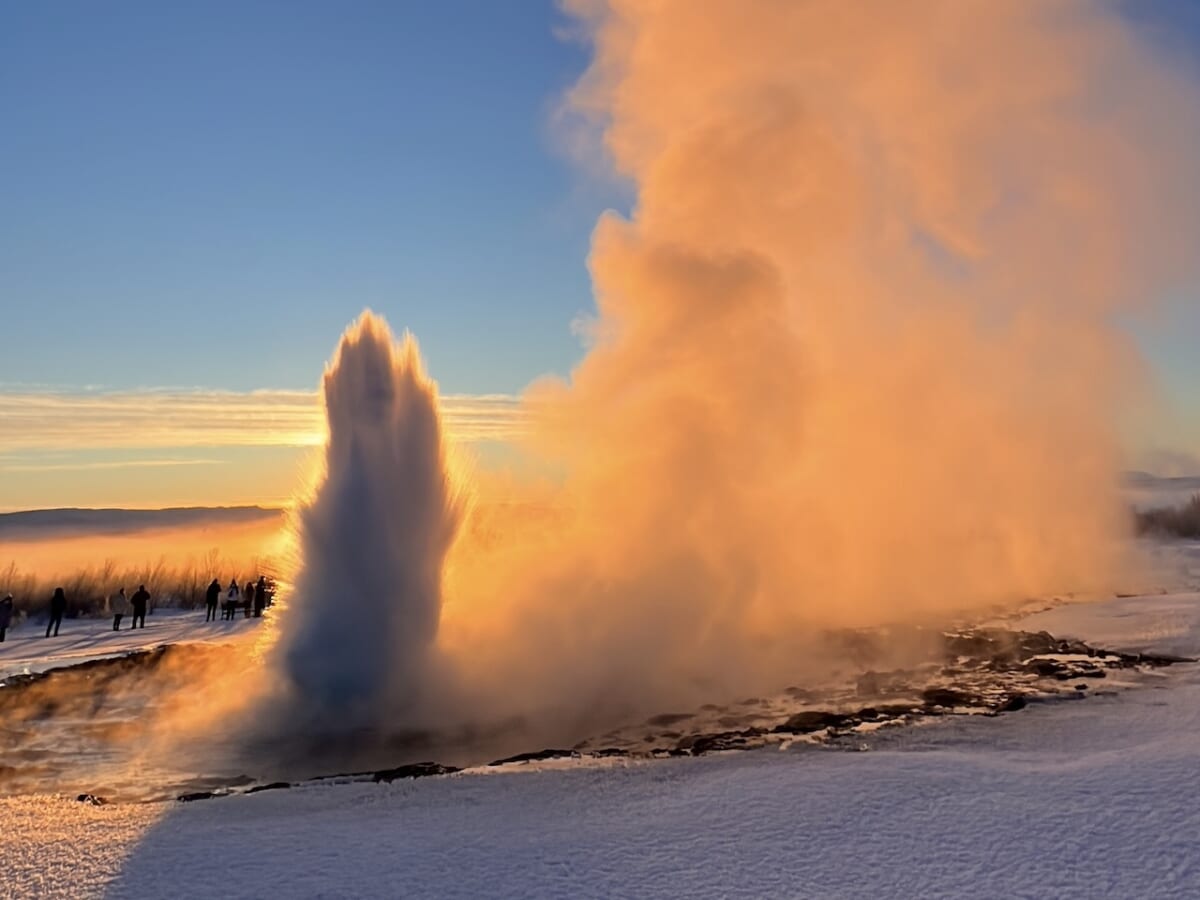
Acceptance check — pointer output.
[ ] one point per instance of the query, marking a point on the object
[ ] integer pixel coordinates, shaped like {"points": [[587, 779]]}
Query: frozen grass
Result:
{"points": [[1172, 521], [180, 586]]}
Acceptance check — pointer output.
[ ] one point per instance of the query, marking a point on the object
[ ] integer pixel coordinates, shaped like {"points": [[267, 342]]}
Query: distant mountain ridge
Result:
{"points": [[34, 524], [1160, 482]]}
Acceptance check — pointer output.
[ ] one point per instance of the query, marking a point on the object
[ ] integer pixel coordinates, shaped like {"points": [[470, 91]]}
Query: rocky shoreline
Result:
{"points": [[979, 671], [985, 672]]}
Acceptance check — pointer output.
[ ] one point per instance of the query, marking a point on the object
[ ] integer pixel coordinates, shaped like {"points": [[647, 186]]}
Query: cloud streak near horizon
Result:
{"points": [[51, 421]]}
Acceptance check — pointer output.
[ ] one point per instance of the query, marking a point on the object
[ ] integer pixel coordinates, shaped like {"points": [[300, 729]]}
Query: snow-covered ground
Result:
{"points": [[27, 650], [1091, 798]]}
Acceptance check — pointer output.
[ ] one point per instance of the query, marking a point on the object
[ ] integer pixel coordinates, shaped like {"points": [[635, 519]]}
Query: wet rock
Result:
{"points": [[699, 744], [198, 795], [536, 756], [91, 800], [273, 786], [973, 645], [1035, 644], [1046, 668], [884, 711], [812, 720], [419, 770], [1012, 703], [948, 697], [1162, 659]]}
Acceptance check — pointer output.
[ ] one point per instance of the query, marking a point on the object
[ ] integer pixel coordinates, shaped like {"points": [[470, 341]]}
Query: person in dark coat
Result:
{"points": [[248, 597], [58, 608], [139, 600], [6, 612], [211, 599], [260, 596]]}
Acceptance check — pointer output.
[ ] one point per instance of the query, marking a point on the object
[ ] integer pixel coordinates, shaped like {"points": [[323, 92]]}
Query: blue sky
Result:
{"points": [[205, 194]]}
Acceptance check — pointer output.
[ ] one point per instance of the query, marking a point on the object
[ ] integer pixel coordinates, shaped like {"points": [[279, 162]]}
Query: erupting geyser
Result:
{"points": [[362, 618]]}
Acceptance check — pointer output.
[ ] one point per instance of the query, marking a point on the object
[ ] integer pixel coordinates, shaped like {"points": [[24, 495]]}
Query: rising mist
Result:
{"points": [[854, 362], [855, 357]]}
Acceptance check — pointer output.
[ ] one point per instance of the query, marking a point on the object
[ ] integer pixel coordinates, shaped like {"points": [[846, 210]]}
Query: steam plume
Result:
{"points": [[854, 359], [854, 362]]}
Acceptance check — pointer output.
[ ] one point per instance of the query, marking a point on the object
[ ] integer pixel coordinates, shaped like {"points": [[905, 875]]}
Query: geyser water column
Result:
{"points": [[357, 634]]}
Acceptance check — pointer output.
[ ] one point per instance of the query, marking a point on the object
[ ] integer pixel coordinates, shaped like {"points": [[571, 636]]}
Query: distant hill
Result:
{"points": [[1158, 482], [38, 524]]}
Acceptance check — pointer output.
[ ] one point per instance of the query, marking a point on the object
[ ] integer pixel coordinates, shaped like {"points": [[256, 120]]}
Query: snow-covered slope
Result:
{"points": [[1095, 798], [28, 651]]}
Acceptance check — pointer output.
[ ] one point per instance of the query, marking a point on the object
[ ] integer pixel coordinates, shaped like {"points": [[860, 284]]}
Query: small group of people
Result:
{"points": [[254, 598], [119, 605], [58, 610]]}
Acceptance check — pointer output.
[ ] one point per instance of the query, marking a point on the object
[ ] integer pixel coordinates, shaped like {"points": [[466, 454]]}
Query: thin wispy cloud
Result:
{"points": [[107, 464], [42, 420]]}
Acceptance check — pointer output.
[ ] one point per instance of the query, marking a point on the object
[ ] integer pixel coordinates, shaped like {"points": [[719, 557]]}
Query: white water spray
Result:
{"points": [[357, 637]]}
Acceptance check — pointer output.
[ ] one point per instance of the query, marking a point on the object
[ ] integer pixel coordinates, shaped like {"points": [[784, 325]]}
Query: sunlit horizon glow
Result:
{"points": [[55, 420], [177, 447]]}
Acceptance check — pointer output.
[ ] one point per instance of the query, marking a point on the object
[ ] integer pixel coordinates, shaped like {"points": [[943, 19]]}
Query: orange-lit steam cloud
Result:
{"points": [[855, 363], [855, 359]]}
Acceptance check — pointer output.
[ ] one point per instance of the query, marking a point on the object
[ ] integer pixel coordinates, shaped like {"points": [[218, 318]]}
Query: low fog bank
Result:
{"points": [[1145, 491], [48, 524], [176, 563]]}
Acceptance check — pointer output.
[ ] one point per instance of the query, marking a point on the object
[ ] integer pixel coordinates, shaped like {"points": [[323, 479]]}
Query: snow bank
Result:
{"points": [[1084, 799], [26, 650]]}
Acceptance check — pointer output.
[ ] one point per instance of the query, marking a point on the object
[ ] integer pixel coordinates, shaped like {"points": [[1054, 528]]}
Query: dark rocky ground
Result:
{"points": [[50, 723]]}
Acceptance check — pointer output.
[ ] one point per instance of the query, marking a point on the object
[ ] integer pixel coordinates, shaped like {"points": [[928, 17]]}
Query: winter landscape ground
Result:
{"points": [[1091, 796]]}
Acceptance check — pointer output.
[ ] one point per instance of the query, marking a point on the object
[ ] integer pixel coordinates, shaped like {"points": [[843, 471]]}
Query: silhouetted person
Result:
{"points": [[6, 606], [119, 604], [231, 599], [140, 598], [211, 599], [260, 596], [248, 597], [58, 608]]}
